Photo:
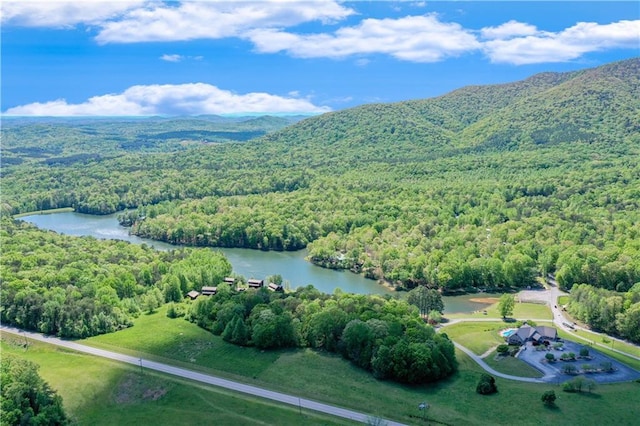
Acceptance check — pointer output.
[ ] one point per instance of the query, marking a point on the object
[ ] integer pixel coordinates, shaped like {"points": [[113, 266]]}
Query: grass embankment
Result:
{"points": [[98, 391], [330, 379], [608, 341], [511, 365], [52, 211], [521, 310]]}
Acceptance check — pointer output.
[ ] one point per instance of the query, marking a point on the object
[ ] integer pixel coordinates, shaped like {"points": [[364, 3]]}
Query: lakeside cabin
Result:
{"points": [[193, 295], [275, 287], [230, 280], [253, 283], [209, 291]]}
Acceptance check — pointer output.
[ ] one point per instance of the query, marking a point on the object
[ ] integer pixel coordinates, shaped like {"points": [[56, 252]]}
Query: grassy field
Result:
{"points": [[511, 365], [97, 391], [477, 336], [625, 347], [521, 310], [328, 378]]}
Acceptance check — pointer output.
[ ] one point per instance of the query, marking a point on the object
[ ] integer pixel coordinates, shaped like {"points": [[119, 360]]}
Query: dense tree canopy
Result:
{"points": [[608, 311], [26, 399], [381, 334], [78, 287], [484, 187]]}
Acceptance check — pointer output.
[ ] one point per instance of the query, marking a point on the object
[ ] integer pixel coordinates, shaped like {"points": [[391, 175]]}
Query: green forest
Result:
{"points": [[486, 187], [380, 334]]}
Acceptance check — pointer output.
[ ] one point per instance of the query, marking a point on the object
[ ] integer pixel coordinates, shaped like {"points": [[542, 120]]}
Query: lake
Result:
{"points": [[292, 266]]}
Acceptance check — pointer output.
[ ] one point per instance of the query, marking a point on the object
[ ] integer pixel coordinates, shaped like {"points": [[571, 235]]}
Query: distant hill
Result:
{"points": [[43, 138], [599, 104], [487, 186]]}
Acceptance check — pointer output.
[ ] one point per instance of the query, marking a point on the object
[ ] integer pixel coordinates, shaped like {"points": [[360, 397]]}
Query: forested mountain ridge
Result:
{"points": [[484, 187], [548, 107], [62, 140]]}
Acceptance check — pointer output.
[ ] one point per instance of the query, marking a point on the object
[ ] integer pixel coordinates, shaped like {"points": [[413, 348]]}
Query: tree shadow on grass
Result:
{"points": [[553, 408]]}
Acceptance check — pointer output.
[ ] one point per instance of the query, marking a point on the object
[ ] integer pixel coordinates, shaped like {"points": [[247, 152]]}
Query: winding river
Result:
{"points": [[293, 267]]}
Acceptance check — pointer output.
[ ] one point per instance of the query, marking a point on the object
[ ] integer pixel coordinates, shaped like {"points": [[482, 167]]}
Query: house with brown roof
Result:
{"points": [[275, 287], [209, 291], [526, 333], [193, 295], [253, 283]]}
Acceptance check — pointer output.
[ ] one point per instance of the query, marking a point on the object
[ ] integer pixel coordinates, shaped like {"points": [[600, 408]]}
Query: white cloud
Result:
{"points": [[212, 20], [508, 30], [412, 38], [566, 45], [172, 58], [181, 99], [62, 13], [264, 22]]}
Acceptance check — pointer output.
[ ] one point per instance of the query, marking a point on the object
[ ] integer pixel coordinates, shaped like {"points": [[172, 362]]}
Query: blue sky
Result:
{"points": [[220, 57]]}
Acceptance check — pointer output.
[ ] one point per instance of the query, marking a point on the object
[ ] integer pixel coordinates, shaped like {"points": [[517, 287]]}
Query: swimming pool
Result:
{"points": [[508, 332]]}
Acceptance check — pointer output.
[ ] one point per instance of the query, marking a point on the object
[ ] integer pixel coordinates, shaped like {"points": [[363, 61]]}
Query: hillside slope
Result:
{"points": [[484, 187]]}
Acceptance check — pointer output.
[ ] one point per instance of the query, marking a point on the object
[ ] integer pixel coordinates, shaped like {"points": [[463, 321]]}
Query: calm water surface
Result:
{"points": [[250, 263]]}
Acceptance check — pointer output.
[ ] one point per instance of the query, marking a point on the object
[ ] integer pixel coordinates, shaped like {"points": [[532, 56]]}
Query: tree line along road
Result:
{"points": [[204, 378]]}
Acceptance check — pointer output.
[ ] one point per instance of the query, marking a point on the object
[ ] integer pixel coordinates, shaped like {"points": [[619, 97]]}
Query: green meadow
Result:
{"points": [[521, 310], [99, 391]]}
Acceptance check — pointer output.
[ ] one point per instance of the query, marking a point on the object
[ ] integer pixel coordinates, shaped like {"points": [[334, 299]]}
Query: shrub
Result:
{"points": [[584, 351], [502, 349], [175, 310], [578, 384], [606, 366], [550, 357], [486, 385], [549, 398], [572, 355], [569, 369]]}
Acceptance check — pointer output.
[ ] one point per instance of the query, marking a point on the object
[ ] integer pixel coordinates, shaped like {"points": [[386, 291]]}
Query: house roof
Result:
{"points": [[547, 331], [526, 332]]}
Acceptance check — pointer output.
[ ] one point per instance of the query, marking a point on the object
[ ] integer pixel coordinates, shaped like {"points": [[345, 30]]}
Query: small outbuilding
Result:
{"points": [[230, 280], [193, 295]]}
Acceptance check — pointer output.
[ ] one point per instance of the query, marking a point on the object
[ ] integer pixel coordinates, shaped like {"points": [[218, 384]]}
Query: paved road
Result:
{"points": [[559, 320], [204, 378]]}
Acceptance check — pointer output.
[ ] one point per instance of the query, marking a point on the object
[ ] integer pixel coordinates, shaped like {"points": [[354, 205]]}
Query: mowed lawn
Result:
{"points": [[328, 378], [621, 346], [511, 365], [479, 337], [522, 311], [97, 391]]}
